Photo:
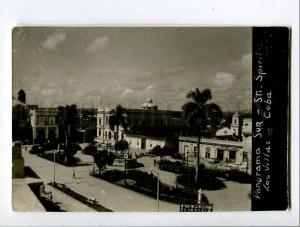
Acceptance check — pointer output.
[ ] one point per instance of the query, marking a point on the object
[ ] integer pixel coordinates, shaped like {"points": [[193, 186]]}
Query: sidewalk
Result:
{"points": [[67, 203], [23, 199], [107, 194]]}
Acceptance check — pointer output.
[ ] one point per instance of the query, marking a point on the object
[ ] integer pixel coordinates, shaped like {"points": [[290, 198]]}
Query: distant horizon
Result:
{"points": [[78, 107], [108, 66]]}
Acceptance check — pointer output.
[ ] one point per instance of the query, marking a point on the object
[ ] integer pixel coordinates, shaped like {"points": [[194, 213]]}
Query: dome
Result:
{"points": [[149, 104]]}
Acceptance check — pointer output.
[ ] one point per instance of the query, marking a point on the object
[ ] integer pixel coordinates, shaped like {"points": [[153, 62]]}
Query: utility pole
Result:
{"points": [[54, 156]]}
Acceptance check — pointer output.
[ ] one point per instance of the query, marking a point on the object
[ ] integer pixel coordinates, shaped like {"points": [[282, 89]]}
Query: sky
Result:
{"points": [[102, 66]]}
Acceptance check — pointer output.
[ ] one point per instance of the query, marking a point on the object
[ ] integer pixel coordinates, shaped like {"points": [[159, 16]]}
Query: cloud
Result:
{"points": [[150, 87], [127, 91], [172, 70], [70, 81], [97, 44], [53, 40], [51, 91], [223, 80]]}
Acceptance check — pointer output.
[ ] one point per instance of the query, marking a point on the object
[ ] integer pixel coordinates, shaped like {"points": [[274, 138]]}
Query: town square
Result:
{"points": [[132, 119]]}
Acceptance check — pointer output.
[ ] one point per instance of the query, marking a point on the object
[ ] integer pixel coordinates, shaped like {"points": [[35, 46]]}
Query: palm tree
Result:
{"points": [[199, 114], [67, 119], [118, 118]]}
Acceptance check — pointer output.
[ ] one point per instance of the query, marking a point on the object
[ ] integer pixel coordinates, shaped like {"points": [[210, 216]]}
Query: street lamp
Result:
{"points": [[157, 189], [125, 166], [54, 156]]}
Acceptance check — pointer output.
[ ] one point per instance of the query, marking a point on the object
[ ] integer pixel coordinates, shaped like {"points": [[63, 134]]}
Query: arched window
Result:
{"points": [[109, 135]]}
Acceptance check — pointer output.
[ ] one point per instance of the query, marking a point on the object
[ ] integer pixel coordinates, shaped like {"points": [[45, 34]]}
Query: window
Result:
{"points": [[137, 143], [195, 151], [186, 149], [232, 155], [245, 156], [51, 120], [100, 132], [99, 121], [234, 121], [150, 144], [42, 120], [207, 152], [246, 124], [234, 132]]}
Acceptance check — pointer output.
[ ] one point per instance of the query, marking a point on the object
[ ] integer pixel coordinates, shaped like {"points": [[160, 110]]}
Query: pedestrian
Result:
{"points": [[74, 174]]}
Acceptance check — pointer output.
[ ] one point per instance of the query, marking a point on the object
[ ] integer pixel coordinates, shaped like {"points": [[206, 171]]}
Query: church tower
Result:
{"points": [[235, 124], [22, 96]]}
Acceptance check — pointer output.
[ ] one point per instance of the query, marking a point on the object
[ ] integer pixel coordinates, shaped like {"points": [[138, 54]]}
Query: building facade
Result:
{"points": [[238, 127], [43, 122], [224, 149], [105, 133], [143, 142], [139, 120]]}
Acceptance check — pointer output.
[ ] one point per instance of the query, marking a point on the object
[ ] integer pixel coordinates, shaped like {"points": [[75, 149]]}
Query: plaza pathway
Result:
{"points": [[108, 195]]}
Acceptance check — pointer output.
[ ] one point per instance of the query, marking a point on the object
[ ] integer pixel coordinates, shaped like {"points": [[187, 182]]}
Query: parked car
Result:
{"points": [[49, 146], [36, 149], [213, 161], [90, 150]]}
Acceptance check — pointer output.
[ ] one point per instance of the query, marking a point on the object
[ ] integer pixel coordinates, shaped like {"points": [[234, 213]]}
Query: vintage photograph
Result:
{"points": [[132, 119]]}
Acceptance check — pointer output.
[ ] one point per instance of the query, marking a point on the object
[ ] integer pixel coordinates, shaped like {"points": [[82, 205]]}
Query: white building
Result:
{"points": [[144, 142], [105, 133], [238, 127], [43, 122], [149, 104], [224, 150]]}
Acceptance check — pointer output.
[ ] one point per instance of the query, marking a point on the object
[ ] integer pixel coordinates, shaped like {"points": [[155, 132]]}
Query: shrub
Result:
{"points": [[233, 175], [133, 163], [113, 175], [121, 145], [161, 151], [205, 181], [147, 184], [239, 176], [177, 167], [177, 156]]}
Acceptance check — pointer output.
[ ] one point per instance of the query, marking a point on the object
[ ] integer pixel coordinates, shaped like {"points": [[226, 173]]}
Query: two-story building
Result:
{"points": [[43, 122], [222, 148]]}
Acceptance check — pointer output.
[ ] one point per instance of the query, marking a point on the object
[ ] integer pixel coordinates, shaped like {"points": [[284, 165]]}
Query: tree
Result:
{"points": [[67, 119], [103, 158], [199, 114], [121, 145], [118, 118]]}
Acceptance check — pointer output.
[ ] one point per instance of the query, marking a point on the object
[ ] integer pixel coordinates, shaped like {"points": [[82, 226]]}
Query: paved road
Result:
{"points": [[108, 195], [233, 198]]}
